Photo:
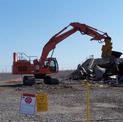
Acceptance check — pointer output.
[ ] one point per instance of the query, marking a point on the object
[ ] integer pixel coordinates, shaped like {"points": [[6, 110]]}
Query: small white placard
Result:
{"points": [[27, 103]]}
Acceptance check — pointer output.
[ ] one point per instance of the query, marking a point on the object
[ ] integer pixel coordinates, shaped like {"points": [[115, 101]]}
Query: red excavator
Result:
{"points": [[47, 65]]}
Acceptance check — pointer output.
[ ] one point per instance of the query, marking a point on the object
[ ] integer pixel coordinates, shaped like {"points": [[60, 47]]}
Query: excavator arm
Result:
{"points": [[83, 29]]}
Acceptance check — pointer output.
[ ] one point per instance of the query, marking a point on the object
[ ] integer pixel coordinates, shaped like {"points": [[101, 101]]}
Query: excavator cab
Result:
{"points": [[51, 64]]}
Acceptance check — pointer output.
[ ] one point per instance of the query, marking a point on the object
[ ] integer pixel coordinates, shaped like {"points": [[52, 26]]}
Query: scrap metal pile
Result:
{"points": [[106, 70]]}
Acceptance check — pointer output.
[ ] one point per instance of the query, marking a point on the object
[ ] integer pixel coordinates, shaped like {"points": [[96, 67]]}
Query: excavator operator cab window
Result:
{"points": [[52, 64], [46, 63]]}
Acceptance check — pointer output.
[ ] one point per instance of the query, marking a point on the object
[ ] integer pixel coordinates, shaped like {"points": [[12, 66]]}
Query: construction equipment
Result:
{"points": [[47, 65]]}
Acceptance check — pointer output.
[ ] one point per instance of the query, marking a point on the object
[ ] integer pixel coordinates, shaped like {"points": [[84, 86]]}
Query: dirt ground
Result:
{"points": [[66, 101]]}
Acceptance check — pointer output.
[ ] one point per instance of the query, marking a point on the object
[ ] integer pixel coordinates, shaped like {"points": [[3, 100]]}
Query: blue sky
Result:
{"points": [[27, 25]]}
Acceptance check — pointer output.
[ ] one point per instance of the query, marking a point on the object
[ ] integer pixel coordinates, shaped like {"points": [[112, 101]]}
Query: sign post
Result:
{"points": [[87, 102]]}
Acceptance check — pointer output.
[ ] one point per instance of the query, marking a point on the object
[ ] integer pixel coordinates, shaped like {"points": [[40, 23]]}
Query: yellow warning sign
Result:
{"points": [[42, 102]]}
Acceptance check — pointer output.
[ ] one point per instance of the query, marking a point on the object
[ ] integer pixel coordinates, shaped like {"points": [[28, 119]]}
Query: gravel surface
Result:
{"points": [[66, 103]]}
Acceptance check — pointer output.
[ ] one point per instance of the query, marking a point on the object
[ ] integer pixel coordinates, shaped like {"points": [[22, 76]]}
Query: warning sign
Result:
{"points": [[27, 103], [42, 103]]}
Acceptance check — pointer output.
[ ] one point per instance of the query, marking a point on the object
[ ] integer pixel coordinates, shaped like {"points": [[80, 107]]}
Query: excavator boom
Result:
{"points": [[60, 36]]}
